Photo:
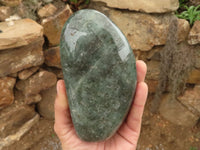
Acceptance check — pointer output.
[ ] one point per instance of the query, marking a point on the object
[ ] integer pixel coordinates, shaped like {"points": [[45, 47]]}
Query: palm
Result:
{"points": [[125, 138], [117, 142]]}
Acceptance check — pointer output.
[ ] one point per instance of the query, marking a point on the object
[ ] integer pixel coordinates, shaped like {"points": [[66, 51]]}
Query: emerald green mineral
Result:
{"points": [[99, 72]]}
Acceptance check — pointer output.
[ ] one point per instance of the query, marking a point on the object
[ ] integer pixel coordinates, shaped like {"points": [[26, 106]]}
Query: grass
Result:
{"points": [[191, 14], [182, 3]]}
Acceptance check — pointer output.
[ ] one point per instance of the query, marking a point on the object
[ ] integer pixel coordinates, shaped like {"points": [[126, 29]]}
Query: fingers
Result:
{"points": [[134, 119], [130, 130], [141, 70], [62, 115]]}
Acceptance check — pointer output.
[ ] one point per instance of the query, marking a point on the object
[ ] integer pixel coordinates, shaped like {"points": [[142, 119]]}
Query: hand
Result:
{"points": [[125, 138]]}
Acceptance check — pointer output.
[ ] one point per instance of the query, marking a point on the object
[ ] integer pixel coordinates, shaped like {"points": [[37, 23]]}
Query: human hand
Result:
{"points": [[125, 138]]}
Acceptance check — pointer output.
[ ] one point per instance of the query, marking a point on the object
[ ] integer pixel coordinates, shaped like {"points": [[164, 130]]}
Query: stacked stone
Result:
{"points": [[28, 69], [146, 27]]}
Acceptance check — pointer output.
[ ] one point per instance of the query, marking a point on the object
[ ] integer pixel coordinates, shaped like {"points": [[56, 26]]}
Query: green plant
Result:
{"points": [[191, 14], [53, 135], [193, 148], [78, 4], [182, 3]]}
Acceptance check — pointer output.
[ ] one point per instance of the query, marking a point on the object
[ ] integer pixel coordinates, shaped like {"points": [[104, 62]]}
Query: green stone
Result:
{"points": [[99, 72]]}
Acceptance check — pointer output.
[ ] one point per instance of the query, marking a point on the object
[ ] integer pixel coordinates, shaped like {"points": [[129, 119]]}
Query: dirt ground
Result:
{"points": [[159, 134], [156, 134], [40, 137]]}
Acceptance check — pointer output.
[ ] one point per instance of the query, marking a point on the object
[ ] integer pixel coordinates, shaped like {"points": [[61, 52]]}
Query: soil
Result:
{"points": [[156, 134], [159, 134], [40, 137]]}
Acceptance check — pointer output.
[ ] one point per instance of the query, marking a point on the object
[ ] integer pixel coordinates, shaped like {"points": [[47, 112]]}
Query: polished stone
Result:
{"points": [[99, 72]]}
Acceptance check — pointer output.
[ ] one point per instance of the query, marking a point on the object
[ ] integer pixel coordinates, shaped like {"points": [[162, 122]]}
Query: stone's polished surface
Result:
{"points": [[99, 72]]}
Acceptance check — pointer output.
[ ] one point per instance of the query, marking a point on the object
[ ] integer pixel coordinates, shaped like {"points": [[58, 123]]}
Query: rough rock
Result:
{"points": [[22, 58], [176, 113], [46, 106], [53, 25], [40, 137], [99, 72], [15, 122], [11, 19], [152, 85], [140, 55], [153, 6], [5, 12], [194, 35], [183, 29], [11, 3], [191, 99], [11, 139], [36, 83], [24, 74], [194, 77], [33, 99], [47, 10], [14, 75], [144, 31], [154, 54], [58, 72], [27, 99], [13, 117], [48, 1], [153, 70], [52, 57], [6, 91], [25, 32], [195, 2], [197, 62]]}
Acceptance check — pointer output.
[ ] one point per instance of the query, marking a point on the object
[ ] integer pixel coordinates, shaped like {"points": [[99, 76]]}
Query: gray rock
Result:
{"points": [[100, 74]]}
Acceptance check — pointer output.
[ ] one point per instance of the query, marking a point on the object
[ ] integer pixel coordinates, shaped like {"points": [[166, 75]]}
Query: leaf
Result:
{"points": [[197, 7], [87, 2], [186, 7], [191, 14], [73, 1]]}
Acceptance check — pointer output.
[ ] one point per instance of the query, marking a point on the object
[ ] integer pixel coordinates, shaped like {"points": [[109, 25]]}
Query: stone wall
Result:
{"points": [[146, 28], [30, 59], [29, 67]]}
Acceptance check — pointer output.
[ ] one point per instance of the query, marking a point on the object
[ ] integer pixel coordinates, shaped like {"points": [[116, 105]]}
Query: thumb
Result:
{"points": [[63, 122]]}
